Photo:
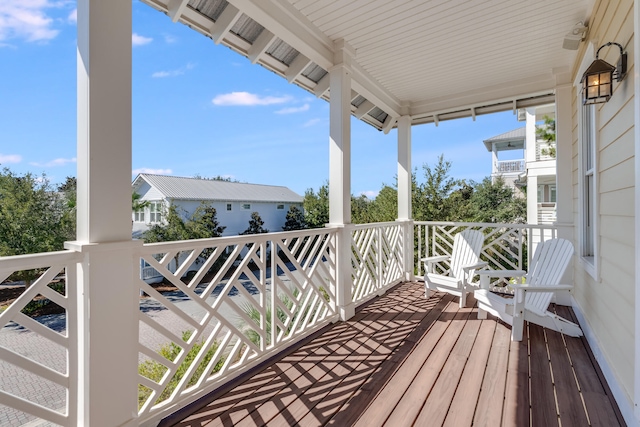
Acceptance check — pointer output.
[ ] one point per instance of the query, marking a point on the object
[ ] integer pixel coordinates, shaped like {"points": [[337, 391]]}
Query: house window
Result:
{"points": [[246, 206], [229, 206], [546, 193], [155, 212], [588, 189], [280, 206], [138, 216]]}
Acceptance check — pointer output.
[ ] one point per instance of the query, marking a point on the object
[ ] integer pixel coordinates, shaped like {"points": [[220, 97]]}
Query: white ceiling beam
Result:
{"points": [[298, 65], [260, 46], [229, 16], [363, 109], [366, 86], [505, 92], [175, 8], [289, 25], [322, 86], [388, 124]]}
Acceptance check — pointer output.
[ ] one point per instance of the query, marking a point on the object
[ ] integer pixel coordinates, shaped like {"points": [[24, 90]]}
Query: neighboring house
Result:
{"points": [[536, 168], [234, 201]]}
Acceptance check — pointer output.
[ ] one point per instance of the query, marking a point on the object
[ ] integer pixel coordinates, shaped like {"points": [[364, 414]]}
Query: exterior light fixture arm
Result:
{"points": [[621, 68]]}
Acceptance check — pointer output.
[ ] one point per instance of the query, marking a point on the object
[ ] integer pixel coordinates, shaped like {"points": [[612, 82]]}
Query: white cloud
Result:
{"points": [[173, 73], [138, 40], [73, 16], [248, 99], [152, 171], [54, 162], [292, 110], [27, 20], [10, 158], [169, 39]]}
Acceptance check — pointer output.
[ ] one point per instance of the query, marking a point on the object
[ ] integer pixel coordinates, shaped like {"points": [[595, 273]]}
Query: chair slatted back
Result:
{"points": [[549, 263], [466, 251]]}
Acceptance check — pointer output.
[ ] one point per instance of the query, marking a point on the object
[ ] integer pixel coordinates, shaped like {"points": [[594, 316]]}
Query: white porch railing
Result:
{"points": [[246, 298], [506, 246], [39, 373], [249, 298], [509, 166], [377, 259]]}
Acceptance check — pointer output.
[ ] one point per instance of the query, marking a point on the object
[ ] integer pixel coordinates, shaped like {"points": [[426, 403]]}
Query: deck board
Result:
{"points": [[405, 360]]}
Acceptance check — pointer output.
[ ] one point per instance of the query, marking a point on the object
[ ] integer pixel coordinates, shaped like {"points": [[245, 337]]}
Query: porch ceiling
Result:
{"points": [[432, 59]]}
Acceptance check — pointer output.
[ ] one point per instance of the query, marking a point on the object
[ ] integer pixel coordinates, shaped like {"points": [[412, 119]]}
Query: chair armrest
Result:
{"points": [[502, 273], [542, 288], [475, 266], [435, 258]]}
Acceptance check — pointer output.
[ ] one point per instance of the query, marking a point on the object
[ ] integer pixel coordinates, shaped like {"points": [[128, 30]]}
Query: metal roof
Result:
{"points": [[182, 188], [516, 136], [433, 60]]}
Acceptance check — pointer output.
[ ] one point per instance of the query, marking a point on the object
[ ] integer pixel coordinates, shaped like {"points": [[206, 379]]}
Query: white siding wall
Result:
{"points": [[607, 301], [236, 220]]}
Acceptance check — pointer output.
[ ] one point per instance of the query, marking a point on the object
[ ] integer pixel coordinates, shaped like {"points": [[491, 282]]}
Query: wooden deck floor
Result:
{"points": [[408, 361]]}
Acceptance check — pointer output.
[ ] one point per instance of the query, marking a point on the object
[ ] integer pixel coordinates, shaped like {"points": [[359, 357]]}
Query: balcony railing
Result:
{"points": [[509, 166], [236, 302], [506, 246]]}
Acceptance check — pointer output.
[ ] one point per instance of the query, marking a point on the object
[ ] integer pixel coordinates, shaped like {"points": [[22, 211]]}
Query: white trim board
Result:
{"points": [[625, 406]]}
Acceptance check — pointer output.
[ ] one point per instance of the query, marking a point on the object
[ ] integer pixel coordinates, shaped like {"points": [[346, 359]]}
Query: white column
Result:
{"points": [[405, 215], [340, 172], [530, 135], [404, 168], [532, 199], [564, 177], [108, 325], [564, 167], [494, 161]]}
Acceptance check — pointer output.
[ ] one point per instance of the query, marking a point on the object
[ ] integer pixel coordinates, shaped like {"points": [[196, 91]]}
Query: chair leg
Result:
{"points": [[517, 328], [463, 299]]}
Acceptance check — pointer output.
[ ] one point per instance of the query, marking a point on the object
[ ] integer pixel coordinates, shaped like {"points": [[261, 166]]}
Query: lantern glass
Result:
{"points": [[592, 80]]}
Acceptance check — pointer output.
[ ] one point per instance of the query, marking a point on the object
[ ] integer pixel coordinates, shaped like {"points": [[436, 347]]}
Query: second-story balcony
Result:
{"points": [[509, 167], [252, 335]]}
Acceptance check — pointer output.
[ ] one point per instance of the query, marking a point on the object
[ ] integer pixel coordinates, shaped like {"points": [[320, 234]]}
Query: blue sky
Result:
{"points": [[199, 108]]}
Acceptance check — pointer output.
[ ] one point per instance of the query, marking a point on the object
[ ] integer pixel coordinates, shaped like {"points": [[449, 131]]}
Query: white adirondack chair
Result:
{"points": [[531, 299], [464, 261]]}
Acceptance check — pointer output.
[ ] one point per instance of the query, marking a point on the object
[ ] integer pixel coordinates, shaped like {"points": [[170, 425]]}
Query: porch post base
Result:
{"points": [[347, 312]]}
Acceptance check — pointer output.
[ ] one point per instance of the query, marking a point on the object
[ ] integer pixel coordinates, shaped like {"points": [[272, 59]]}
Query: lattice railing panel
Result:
{"points": [[506, 246], [376, 258], [225, 304], [38, 340]]}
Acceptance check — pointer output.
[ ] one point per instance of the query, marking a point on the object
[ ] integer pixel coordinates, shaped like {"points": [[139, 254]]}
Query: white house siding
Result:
{"points": [[150, 193], [607, 302], [237, 220]]}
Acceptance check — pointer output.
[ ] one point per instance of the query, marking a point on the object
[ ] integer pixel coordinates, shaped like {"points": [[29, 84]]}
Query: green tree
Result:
{"points": [[385, 206], [137, 203], [172, 228], [34, 217], [547, 133], [316, 207], [68, 193], [361, 210], [295, 219], [431, 203], [176, 225], [255, 225], [204, 224], [495, 202]]}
